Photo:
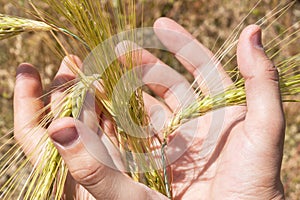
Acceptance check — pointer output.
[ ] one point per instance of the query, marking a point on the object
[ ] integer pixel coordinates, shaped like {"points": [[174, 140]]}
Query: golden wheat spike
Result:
{"points": [[289, 85], [11, 26], [51, 169]]}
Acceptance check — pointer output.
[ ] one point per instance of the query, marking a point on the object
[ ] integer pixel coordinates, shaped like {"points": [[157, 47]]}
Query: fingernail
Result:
{"points": [[26, 70], [256, 39], [65, 137]]}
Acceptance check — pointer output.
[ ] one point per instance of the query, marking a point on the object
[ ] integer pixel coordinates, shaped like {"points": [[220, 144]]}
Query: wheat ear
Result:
{"points": [[11, 26]]}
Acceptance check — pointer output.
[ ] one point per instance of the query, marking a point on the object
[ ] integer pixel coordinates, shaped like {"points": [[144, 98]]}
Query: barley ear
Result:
{"points": [[11, 26]]}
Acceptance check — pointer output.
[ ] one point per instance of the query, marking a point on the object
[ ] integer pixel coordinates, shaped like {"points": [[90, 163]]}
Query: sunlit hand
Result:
{"points": [[246, 161], [92, 179]]}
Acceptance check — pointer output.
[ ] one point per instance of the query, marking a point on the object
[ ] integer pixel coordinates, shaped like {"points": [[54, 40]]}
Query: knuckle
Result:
{"points": [[270, 70], [267, 63], [89, 175]]}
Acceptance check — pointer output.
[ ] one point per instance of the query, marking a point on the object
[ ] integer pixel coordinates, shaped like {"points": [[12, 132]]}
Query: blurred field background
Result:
{"points": [[209, 21]]}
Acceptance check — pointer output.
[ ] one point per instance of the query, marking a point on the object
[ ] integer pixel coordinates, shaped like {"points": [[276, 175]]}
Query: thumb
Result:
{"points": [[97, 174], [264, 105]]}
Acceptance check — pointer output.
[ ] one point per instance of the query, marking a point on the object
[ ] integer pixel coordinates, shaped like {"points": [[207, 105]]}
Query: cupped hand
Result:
{"points": [[246, 159], [87, 178]]}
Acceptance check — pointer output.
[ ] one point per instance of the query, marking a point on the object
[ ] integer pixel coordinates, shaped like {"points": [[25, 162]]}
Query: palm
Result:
{"points": [[197, 171], [234, 168]]}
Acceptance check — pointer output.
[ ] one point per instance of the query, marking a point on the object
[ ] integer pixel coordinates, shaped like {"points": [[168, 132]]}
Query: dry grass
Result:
{"points": [[211, 22]]}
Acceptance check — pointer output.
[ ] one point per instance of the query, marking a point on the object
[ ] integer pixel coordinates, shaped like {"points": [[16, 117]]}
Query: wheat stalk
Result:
{"points": [[90, 21]]}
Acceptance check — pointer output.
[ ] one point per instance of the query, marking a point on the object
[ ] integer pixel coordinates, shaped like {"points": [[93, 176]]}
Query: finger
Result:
{"points": [[62, 80], [160, 78], [158, 112], [196, 58], [28, 106], [93, 172], [264, 105], [106, 121], [65, 72]]}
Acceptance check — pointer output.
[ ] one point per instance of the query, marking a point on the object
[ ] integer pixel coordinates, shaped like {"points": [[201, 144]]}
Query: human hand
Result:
{"points": [[245, 164], [247, 159], [87, 178]]}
